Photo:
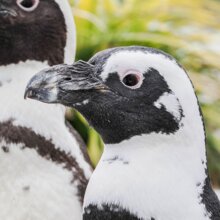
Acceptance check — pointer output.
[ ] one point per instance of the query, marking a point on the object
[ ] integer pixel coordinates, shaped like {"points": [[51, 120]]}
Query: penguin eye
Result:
{"points": [[132, 79], [28, 5]]}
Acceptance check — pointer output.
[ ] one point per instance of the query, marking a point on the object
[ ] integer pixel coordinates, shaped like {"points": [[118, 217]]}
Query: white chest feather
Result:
{"points": [[36, 187], [33, 188], [163, 182]]}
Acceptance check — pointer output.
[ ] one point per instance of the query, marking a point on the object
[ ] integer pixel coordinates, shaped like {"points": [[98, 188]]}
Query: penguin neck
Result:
{"points": [[184, 148], [146, 170], [159, 150]]}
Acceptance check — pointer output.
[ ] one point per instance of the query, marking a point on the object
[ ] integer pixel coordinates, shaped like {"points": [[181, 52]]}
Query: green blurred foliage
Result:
{"points": [[187, 29]]}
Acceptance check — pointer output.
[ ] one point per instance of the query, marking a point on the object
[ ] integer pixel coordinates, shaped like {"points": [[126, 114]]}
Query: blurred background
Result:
{"points": [[187, 29]]}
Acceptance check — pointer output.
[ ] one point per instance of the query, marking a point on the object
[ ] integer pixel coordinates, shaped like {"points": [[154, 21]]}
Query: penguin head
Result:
{"points": [[36, 30], [123, 92]]}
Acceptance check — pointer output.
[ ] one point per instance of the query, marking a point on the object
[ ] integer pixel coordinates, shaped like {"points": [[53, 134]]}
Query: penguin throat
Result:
{"points": [[179, 148], [142, 172]]}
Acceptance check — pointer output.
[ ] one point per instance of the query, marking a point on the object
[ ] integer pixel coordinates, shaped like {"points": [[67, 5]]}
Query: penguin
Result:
{"points": [[142, 102], [44, 170]]}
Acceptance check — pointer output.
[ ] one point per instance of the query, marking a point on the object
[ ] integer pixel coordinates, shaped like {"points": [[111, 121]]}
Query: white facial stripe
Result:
{"points": [[171, 103], [70, 48], [124, 61]]}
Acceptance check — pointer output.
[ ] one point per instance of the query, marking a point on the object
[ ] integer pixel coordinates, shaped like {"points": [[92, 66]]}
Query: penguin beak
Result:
{"points": [[65, 84], [7, 12]]}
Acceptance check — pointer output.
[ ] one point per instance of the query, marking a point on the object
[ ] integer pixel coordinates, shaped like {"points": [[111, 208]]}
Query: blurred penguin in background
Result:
{"points": [[44, 169]]}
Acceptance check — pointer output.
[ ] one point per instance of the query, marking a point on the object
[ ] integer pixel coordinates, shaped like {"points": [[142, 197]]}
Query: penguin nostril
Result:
{"points": [[67, 78], [28, 5]]}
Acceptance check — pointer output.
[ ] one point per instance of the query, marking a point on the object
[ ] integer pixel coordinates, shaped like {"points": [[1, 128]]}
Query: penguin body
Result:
{"points": [[44, 171], [143, 104]]}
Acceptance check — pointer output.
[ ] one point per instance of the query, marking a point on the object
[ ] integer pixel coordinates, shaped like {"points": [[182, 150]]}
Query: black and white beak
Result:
{"points": [[65, 84], [6, 11]]}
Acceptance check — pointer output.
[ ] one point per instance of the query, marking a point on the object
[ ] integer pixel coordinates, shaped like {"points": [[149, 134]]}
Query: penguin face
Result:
{"points": [[32, 30], [15, 12], [123, 92]]}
